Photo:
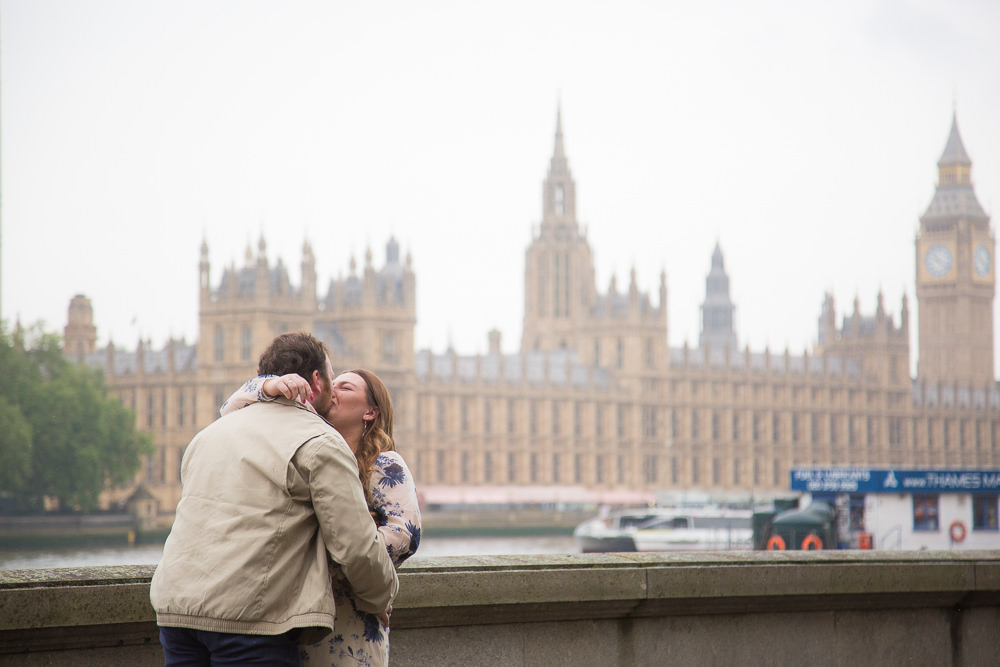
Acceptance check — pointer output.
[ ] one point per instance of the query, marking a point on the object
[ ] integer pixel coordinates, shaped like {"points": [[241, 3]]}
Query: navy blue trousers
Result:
{"points": [[184, 647]]}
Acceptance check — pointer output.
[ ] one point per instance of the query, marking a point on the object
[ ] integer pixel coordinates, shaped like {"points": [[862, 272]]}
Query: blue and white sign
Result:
{"points": [[889, 480]]}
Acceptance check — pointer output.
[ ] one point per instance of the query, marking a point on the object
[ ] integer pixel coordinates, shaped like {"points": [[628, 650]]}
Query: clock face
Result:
{"points": [[938, 261], [982, 260]]}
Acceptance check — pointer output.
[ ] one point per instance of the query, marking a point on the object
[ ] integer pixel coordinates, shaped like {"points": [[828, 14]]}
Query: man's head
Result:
{"points": [[302, 353]]}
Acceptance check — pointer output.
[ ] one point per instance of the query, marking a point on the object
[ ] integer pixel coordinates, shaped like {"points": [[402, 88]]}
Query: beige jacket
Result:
{"points": [[267, 491]]}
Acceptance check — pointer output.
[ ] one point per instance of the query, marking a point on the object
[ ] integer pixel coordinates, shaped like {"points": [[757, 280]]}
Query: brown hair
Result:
{"points": [[377, 437], [295, 352]]}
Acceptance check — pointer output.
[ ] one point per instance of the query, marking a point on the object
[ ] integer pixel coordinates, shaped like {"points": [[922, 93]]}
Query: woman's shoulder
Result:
{"points": [[389, 458]]}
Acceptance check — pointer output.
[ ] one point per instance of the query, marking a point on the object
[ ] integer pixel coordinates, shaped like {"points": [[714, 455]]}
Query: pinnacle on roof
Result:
{"points": [[392, 251], [559, 151], [558, 191], [717, 260], [954, 150], [559, 165]]}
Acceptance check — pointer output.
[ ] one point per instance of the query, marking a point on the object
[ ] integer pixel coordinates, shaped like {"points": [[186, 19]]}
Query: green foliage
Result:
{"points": [[61, 435], [15, 447]]}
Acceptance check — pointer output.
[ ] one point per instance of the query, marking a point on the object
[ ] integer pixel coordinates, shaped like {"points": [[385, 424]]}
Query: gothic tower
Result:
{"points": [[80, 334], [717, 327], [369, 317], [879, 347], [955, 277], [559, 272], [237, 320]]}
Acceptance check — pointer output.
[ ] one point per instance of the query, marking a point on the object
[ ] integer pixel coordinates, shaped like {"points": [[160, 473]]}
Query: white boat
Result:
{"points": [[700, 530], [667, 529], [613, 532]]}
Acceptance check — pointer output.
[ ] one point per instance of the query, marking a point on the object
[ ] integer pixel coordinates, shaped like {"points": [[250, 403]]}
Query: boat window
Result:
{"points": [[630, 520], [925, 512], [665, 523], [737, 522], [984, 512], [857, 507]]}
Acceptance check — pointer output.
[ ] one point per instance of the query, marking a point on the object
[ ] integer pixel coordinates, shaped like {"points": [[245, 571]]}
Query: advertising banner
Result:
{"points": [[892, 480]]}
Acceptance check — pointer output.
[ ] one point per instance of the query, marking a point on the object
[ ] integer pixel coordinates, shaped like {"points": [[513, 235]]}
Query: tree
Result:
{"points": [[67, 438], [15, 447]]}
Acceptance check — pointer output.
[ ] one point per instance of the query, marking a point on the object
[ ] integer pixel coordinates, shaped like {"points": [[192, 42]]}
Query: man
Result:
{"points": [[267, 491]]}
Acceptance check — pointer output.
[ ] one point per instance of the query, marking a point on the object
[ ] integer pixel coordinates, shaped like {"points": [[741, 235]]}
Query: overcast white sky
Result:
{"points": [[802, 136]]}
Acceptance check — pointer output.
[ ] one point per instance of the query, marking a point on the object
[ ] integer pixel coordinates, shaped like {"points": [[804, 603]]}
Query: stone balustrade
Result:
{"points": [[819, 608]]}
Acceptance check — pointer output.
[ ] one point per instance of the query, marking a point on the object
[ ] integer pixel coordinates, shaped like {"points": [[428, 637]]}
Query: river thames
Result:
{"points": [[149, 554]]}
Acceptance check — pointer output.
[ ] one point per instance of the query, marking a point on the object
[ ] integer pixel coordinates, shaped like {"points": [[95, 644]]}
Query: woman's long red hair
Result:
{"points": [[377, 437]]}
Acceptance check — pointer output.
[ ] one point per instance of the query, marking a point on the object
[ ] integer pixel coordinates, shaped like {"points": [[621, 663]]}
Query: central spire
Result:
{"points": [[717, 321], [559, 153], [559, 189]]}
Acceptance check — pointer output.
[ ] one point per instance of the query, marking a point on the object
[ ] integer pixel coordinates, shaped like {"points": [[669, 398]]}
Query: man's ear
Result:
{"points": [[316, 380]]}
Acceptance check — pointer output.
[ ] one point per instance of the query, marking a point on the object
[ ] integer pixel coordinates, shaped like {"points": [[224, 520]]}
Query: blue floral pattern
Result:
{"points": [[252, 391], [359, 638]]}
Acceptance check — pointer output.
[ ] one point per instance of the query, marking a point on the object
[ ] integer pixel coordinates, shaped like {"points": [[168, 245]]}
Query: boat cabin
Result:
{"points": [[888, 508]]}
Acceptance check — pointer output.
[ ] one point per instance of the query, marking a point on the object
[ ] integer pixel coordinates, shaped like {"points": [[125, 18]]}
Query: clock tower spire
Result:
{"points": [[955, 277]]}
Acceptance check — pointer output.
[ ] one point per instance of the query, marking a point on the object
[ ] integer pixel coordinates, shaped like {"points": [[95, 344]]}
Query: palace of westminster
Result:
{"points": [[595, 398]]}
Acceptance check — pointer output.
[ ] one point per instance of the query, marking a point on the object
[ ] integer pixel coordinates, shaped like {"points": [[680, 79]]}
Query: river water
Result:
{"points": [[149, 554]]}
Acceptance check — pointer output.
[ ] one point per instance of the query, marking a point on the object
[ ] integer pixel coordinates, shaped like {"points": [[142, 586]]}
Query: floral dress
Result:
{"points": [[359, 638]]}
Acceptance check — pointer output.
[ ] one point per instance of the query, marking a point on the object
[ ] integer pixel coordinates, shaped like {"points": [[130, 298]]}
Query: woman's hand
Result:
{"points": [[383, 618], [291, 386]]}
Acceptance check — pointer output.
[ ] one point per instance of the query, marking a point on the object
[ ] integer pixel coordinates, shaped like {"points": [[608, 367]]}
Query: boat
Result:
{"points": [[613, 531], [698, 530], [667, 529]]}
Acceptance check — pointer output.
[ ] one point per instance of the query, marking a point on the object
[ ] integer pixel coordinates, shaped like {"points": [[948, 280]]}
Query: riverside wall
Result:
{"points": [[819, 608]]}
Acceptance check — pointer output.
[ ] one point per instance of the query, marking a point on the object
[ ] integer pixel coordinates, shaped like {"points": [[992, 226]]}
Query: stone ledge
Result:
{"points": [[498, 589], [586, 609]]}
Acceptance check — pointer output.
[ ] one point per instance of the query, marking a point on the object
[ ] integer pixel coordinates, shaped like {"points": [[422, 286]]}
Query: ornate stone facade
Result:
{"points": [[596, 398]]}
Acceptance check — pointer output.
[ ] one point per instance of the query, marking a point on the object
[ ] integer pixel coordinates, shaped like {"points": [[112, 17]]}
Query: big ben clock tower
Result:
{"points": [[955, 277]]}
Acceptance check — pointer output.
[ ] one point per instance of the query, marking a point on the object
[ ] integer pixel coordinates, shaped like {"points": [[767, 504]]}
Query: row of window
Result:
{"points": [[843, 429], [157, 407], [557, 414], [811, 428], [389, 351], [156, 466], [246, 344], [565, 468], [498, 468], [984, 512], [835, 428], [799, 395]]}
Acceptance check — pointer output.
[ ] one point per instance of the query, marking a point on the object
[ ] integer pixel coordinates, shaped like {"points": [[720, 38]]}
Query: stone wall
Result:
{"points": [[826, 608]]}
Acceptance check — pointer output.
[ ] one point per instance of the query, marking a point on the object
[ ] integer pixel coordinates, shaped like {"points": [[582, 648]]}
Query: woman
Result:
{"points": [[361, 411]]}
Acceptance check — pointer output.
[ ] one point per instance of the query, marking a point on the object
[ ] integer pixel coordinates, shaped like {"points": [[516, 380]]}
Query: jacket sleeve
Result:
{"points": [[331, 471]]}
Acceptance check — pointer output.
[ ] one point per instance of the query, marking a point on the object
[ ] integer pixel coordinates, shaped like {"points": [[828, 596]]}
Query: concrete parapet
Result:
{"points": [[837, 607]]}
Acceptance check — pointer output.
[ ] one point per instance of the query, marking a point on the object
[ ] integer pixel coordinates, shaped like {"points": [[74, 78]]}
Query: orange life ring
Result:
{"points": [[812, 543], [776, 543], [957, 531]]}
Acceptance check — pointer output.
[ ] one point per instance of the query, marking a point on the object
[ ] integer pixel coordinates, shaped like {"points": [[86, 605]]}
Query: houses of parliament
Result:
{"points": [[596, 398]]}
